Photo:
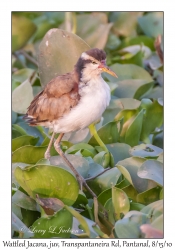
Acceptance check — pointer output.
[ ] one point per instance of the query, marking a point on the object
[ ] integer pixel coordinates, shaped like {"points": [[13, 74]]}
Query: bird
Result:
{"points": [[72, 101]]}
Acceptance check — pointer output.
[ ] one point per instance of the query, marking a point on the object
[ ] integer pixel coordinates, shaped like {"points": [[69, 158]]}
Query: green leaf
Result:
{"points": [[136, 206], [147, 41], [94, 29], [152, 24], [109, 133], [22, 97], [124, 22], [85, 149], [120, 202], [128, 71], [48, 181], [154, 113], [22, 74], [152, 170], [129, 226], [105, 181], [59, 225], [146, 150], [22, 30], [33, 131], [22, 200], [19, 226], [134, 130], [23, 140], [52, 60], [19, 129], [80, 218], [120, 151], [14, 117], [149, 196], [79, 163], [154, 210], [110, 209], [28, 154], [129, 168], [132, 88]]}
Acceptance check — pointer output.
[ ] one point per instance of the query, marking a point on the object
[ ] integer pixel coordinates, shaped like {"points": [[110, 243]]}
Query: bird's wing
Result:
{"points": [[58, 98]]}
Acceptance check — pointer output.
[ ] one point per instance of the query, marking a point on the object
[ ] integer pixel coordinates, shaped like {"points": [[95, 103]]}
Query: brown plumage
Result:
{"points": [[59, 97]]}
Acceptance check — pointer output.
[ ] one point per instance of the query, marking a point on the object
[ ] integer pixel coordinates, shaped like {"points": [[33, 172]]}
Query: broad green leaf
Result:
{"points": [[22, 30], [120, 202], [124, 22], [80, 218], [129, 226], [103, 197], [103, 158], [158, 140], [146, 150], [128, 71], [59, 225], [79, 163], [154, 210], [110, 209], [105, 181], [154, 113], [129, 168], [136, 206], [152, 170], [136, 59], [94, 29], [129, 41], [131, 192], [14, 117], [109, 133], [152, 24], [17, 131], [134, 130], [22, 74], [19, 226], [22, 97], [48, 181], [158, 223], [161, 195], [28, 154], [22, 200], [85, 149], [132, 88], [52, 59], [120, 151], [23, 140], [149, 196]]}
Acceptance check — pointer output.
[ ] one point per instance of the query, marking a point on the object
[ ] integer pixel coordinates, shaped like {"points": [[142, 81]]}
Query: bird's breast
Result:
{"points": [[94, 98]]}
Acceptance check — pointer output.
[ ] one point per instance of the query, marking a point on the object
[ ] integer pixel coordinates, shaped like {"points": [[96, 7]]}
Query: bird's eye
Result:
{"points": [[94, 62]]}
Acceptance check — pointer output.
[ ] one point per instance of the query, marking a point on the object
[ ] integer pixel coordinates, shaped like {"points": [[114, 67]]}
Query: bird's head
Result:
{"points": [[92, 63]]}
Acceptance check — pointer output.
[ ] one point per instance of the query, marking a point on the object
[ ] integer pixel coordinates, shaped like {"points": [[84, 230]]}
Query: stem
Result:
{"points": [[93, 132], [90, 212], [68, 17], [31, 59], [93, 177], [100, 233]]}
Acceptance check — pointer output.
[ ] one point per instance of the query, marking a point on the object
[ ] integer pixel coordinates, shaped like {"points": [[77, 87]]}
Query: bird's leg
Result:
{"points": [[47, 153], [80, 179], [94, 133]]}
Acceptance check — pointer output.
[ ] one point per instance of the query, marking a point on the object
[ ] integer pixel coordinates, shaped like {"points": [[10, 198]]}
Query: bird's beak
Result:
{"points": [[106, 69]]}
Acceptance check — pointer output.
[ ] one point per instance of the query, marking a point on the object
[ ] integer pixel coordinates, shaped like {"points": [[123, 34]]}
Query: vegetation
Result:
{"points": [[126, 174]]}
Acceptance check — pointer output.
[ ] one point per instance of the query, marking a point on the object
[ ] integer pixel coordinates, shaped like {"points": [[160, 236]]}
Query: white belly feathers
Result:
{"points": [[95, 97]]}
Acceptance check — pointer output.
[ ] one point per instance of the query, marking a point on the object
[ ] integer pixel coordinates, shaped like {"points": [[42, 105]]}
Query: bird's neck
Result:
{"points": [[90, 76]]}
